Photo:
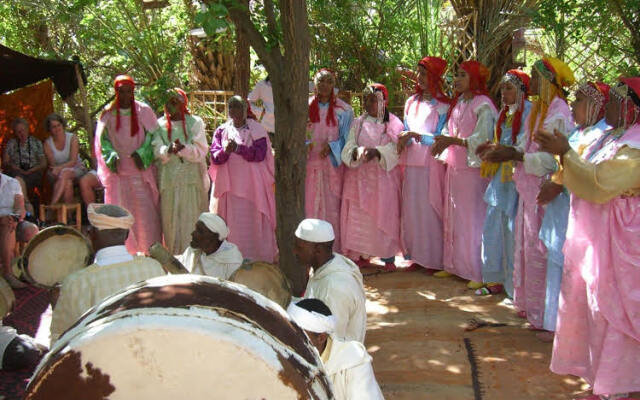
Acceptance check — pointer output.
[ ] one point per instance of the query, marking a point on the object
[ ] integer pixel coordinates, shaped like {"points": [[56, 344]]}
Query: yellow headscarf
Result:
{"points": [[555, 75]]}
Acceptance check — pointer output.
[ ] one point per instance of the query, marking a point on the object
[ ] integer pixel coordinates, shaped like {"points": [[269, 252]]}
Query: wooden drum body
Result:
{"points": [[266, 279], [182, 337]]}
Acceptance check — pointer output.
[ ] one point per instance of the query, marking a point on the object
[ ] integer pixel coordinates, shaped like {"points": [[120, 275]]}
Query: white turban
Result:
{"points": [[215, 224], [315, 231], [109, 216], [312, 321]]}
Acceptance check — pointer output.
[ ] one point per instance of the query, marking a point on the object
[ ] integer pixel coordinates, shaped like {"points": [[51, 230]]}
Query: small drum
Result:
{"points": [[7, 298], [182, 336], [52, 254], [266, 279]]}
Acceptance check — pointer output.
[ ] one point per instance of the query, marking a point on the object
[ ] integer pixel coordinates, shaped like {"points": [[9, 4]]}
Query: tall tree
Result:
{"points": [[282, 44]]}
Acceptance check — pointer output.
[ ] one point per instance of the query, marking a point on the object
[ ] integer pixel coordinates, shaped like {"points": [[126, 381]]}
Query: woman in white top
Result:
{"points": [[65, 166]]}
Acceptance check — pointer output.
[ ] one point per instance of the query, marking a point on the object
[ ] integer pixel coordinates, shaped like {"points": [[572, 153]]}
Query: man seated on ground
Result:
{"points": [[336, 280], [113, 269], [346, 363], [18, 351], [209, 253], [13, 227]]}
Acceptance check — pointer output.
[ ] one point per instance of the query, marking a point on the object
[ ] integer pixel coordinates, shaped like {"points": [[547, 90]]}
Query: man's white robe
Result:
{"points": [[222, 263], [348, 366], [338, 283]]}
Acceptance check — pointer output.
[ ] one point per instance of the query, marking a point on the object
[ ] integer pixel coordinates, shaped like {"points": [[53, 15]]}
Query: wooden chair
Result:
{"points": [[62, 211]]}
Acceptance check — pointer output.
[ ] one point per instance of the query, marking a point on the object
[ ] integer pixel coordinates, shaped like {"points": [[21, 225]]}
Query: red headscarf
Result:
{"points": [[385, 93], [314, 107], [523, 80], [184, 110], [478, 75], [122, 80], [435, 67]]}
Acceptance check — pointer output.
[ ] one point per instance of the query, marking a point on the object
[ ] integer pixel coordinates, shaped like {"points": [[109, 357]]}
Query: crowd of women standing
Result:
{"points": [[532, 197]]}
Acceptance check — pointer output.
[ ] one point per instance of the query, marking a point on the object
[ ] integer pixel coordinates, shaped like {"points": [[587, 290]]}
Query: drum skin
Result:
{"points": [[53, 254], [182, 336], [266, 279], [7, 298]]}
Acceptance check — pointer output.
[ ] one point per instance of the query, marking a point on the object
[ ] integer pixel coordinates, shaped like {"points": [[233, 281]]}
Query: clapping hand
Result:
{"points": [[440, 144], [176, 147], [498, 153], [370, 153], [231, 147], [554, 143], [137, 160], [548, 191], [326, 149]]}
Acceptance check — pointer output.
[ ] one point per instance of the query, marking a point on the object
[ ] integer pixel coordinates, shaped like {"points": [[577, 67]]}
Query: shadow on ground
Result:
{"points": [[416, 331]]}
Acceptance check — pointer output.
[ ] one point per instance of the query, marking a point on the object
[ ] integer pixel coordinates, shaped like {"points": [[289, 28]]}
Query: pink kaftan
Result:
{"points": [[243, 189], [464, 210], [370, 214], [530, 253], [323, 185], [130, 187], [598, 330], [422, 185]]}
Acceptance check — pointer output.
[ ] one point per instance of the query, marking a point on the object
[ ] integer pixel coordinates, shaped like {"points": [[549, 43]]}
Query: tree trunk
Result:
{"points": [[291, 92], [242, 62], [288, 66]]}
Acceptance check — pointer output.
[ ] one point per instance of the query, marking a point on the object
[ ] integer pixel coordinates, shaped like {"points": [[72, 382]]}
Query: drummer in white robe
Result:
{"points": [[336, 280], [113, 268], [209, 252], [346, 363]]}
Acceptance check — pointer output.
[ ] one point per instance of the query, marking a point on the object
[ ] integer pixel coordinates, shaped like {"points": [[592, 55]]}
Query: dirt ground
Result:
{"points": [[416, 335]]}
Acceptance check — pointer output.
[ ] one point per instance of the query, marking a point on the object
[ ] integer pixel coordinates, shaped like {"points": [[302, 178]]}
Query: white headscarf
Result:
{"points": [[109, 216], [215, 224], [312, 321]]}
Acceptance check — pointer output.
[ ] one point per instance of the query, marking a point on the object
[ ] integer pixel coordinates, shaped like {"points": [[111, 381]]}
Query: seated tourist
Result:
{"points": [[13, 227], [346, 362], [113, 269], [209, 253], [24, 159], [65, 166]]}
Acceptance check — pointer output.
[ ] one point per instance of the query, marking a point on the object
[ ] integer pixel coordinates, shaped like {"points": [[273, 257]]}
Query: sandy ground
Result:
{"points": [[416, 335]]}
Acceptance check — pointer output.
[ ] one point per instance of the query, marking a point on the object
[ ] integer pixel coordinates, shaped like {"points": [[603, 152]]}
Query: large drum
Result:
{"points": [[266, 279], [52, 254], [7, 298], [182, 337]]}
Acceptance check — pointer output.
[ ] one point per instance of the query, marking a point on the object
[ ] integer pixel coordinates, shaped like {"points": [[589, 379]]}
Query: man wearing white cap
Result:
{"points": [[346, 363], [209, 252], [113, 268], [336, 280]]}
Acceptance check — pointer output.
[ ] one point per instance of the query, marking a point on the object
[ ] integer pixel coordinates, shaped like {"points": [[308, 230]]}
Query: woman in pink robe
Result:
{"points": [[243, 183], [425, 114], [370, 215], [549, 112], [329, 122], [125, 155], [470, 124], [598, 327]]}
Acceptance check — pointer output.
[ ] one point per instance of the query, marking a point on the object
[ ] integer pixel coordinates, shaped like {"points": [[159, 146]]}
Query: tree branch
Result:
{"points": [[272, 24], [272, 58], [633, 29]]}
